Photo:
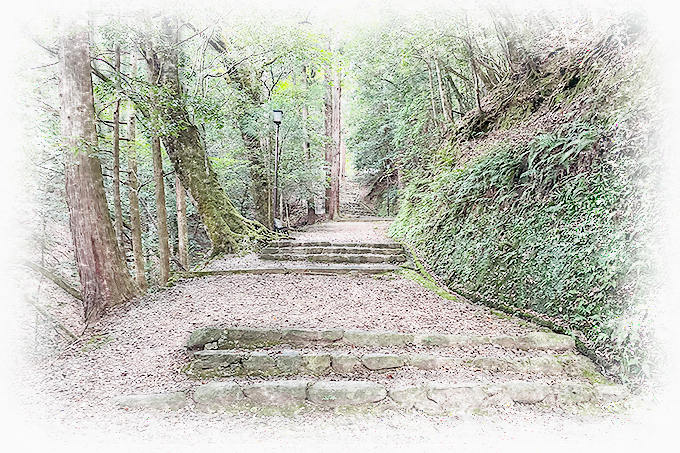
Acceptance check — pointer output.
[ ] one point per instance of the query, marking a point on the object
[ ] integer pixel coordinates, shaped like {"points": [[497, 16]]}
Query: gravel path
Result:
{"points": [[346, 231], [65, 400]]}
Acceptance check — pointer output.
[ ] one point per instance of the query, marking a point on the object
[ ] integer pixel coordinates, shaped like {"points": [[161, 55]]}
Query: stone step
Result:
{"points": [[430, 397], [376, 245], [225, 363], [213, 337], [380, 268], [332, 250], [334, 258]]}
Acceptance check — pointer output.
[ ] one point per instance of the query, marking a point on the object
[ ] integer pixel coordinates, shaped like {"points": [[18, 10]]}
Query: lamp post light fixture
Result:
{"points": [[277, 117]]}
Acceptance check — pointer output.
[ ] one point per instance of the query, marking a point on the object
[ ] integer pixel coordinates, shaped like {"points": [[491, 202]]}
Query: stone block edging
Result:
{"points": [[245, 337], [225, 363], [431, 397]]}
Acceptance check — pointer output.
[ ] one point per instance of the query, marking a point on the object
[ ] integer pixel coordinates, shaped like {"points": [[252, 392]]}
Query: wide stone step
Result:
{"points": [[325, 244], [331, 250], [245, 337], [430, 397], [334, 258], [225, 363], [311, 269]]}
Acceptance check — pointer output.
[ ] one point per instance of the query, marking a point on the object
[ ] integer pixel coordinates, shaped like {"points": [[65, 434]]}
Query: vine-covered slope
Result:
{"points": [[544, 202]]}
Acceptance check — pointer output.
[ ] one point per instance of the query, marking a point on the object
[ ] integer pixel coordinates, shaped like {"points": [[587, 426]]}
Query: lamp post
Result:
{"points": [[278, 117]]}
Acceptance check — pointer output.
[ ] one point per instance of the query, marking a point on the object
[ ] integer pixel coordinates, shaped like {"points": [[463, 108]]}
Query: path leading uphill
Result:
{"points": [[298, 362]]}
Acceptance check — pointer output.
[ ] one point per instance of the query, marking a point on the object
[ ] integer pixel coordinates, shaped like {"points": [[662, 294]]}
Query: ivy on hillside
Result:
{"points": [[552, 226]]}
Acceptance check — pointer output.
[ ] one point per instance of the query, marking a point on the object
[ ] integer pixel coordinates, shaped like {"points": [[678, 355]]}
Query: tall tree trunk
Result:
{"points": [[182, 227], [104, 277], [332, 127], [227, 228], [328, 129], [117, 208], [161, 211], [133, 182], [336, 147], [153, 66], [306, 147]]}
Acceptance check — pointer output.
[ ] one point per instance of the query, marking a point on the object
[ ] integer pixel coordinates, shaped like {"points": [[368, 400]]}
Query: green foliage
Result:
{"points": [[553, 227]]}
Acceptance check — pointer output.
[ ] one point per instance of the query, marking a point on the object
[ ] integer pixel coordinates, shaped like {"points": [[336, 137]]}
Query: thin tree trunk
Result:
{"points": [[117, 208], [462, 107], [133, 182], [337, 137], [161, 214], [161, 211], [104, 277], [328, 128], [306, 148], [60, 282], [182, 227], [332, 127], [445, 101], [432, 101]]}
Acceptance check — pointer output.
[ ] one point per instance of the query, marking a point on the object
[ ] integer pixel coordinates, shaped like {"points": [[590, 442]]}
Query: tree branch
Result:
{"points": [[52, 276], [45, 314]]}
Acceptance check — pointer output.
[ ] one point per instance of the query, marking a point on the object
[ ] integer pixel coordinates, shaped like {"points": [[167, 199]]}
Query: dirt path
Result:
{"points": [[66, 399]]}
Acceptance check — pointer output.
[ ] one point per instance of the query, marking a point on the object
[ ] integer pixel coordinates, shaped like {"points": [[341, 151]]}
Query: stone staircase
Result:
{"points": [[299, 368], [351, 204], [327, 252]]}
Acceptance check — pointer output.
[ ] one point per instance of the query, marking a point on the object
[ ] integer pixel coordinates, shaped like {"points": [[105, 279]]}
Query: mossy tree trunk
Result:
{"points": [[227, 228], [248, 105]]}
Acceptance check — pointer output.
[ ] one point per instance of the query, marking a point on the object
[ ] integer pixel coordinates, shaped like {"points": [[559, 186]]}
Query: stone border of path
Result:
{"points": [[431, 397], [221, 363], [303, 269], [251, 338]]}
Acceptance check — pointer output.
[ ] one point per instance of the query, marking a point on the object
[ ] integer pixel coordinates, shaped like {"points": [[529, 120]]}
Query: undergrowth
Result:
{"points": [[562, 226]]}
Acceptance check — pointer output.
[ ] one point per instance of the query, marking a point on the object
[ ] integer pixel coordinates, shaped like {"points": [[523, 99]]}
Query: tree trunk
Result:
{"points": [[117, 209], [336, 148], [227, 228], [306, 147], [433, 104], [332, 126], [257, 150], [133, 182], [328, 129], [443, 95], [156, 120], [104, 277], [462, 105], [259, 177], [161, 211], [182, 227]]}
